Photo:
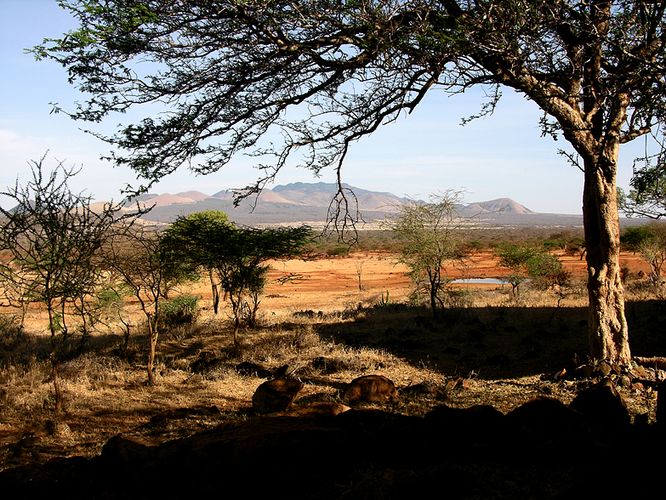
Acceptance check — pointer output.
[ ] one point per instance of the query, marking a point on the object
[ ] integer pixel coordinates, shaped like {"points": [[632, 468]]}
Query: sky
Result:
{"points": [[422, 153]]}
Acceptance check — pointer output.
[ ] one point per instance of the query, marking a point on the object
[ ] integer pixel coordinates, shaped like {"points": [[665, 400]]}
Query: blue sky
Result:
{"points": [[425, 152]]}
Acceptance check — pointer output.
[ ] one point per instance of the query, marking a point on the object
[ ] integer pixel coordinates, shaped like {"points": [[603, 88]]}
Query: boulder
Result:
{"points": [[603, 406], [275, 395], [661, 405], [370, 389]]}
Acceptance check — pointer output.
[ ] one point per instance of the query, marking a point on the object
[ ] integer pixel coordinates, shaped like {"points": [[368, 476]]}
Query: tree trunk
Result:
{"points": [[607, 325], [215, 291], [152, 348]]}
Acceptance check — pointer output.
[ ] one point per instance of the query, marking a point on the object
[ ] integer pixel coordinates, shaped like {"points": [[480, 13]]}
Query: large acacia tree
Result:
{"points": [[298, 81]]}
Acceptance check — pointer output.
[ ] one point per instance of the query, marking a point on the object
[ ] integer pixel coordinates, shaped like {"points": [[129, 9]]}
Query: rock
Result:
{"points": [[319, 409], [603, 406], [661, 405], [370, 389], [250, 369], [547, 420], [275, 395], [125, 449], [477, 421]]}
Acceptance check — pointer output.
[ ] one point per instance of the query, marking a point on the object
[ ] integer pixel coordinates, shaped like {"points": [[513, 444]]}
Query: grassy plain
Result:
{"points": [[331, 320]]}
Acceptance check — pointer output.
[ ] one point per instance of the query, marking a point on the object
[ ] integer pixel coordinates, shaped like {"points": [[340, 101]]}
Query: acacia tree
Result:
{"points": [[195, 238], [50, 242], [234, 257], [428, 236], [139, 259], [515, 257], [325, 73], [51, 239], [647, 196]]}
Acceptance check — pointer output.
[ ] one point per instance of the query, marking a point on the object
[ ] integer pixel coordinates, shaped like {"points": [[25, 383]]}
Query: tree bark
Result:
{"points": [[215, 291], [607, 324], [152, 348]]}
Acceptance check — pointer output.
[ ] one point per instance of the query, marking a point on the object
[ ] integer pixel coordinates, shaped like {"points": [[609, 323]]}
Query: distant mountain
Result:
{"points": [[499, 206], [309, 202]]}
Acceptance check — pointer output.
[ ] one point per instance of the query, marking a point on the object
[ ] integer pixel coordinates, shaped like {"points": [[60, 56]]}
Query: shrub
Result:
{"points": [[179, 311], [546, 270]]}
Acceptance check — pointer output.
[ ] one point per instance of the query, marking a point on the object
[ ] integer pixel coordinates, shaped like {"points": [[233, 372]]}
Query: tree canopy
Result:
{"points": [[298, 81], [234, 257]]}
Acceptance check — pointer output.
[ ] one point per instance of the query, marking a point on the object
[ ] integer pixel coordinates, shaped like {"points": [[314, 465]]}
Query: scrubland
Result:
{"points": [[333, 319]]}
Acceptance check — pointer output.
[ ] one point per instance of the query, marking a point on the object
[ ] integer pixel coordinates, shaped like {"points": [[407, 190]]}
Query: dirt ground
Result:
{"points": [[328, 284]]}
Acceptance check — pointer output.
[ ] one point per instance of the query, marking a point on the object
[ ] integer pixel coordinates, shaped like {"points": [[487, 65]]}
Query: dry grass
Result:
{"points": [[498, 346]]}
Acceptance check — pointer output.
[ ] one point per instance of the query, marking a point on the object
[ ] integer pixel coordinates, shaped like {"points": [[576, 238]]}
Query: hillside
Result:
{"points": [[309, 203]]}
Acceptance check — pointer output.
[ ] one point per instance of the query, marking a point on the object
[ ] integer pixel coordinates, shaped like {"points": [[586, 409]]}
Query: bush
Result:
{"points": [[179, 311], [546, 270]]}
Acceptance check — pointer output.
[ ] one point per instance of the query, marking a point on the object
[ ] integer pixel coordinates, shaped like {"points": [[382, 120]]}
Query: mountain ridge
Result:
{"points": [[306, 202]]}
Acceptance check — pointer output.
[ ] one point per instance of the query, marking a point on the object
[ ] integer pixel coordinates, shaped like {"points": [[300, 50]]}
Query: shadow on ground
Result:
{"points": [[493, 342]]}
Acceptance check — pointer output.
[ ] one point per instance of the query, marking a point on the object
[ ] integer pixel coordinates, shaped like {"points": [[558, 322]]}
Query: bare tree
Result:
{"points": [[298, 81], [50, 241], [358, 266]]}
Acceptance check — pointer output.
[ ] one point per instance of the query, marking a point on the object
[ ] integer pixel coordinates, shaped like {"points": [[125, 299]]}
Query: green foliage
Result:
{"points": [[514, 256], [545, 270], [647, 196], [179, 311], [233, 256], [428, 236], [634, 237]]}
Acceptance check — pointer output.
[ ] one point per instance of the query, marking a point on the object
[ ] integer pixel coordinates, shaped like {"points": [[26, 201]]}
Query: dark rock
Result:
{"points": [[546, 423], [661, 405], [250, 369], [125, 450], [473, 424], [206, 362], [275, 395], [370, 389], [424, 389], [603, 406]]}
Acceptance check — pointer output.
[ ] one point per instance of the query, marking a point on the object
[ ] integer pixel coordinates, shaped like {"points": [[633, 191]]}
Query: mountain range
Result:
{"points": [[309, 202]]}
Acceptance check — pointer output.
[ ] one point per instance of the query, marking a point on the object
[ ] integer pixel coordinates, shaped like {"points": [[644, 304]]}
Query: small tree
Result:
{"points": [[428, 238], [546, 270], [235, 258], [647, 196], [543, 268], [50, 242], [197, 233], [514, 257], [138, 256]]}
